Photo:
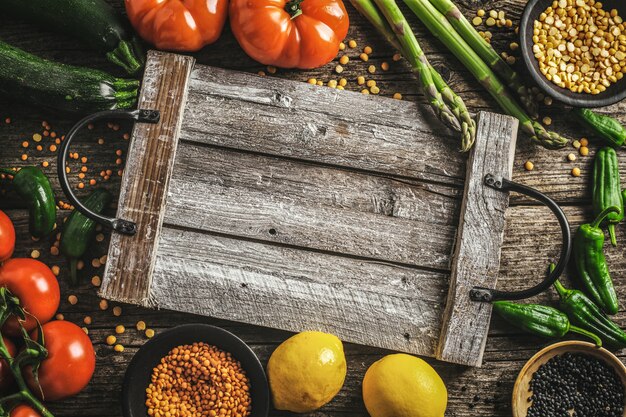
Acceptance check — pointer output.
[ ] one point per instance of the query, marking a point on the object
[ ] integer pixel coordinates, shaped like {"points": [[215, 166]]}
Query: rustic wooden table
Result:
{"points": [[532, 234]]}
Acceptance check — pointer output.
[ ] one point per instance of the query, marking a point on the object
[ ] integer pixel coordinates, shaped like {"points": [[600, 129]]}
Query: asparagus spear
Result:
{"points": [[415, 55], [442, 29], [468, 125], [487, 53], [456, 103]]}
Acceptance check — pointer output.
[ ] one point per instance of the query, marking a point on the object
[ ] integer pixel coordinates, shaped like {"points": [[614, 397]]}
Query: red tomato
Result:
{"points": [[289, 34], [179, 25], [70, 363], [6, 376], [23, 410], [36, 287], [7, 237]]}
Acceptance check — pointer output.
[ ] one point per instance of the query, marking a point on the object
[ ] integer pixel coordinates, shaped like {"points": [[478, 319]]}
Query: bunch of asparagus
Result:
{"points": [[448, 107], [444, 20]]}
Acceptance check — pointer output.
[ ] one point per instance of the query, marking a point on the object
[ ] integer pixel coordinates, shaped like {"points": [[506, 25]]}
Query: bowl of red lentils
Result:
{"points": [[575, 50], [195, 370]]}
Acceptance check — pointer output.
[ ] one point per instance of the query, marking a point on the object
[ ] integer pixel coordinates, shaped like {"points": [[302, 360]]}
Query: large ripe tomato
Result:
{"points": [[7, 237], [289, 34], [23, 410], [70, 363], [36, 287], [6, 376], [178, 25]]}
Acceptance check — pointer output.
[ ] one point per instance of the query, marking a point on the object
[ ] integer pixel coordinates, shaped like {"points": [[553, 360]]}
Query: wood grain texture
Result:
{"points": [[317, 207], [360, 301], [328, 126], [476, 259], [142, 195]]}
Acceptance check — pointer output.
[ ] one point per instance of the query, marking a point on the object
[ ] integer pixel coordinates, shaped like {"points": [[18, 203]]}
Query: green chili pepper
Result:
{"points": [[540, 320], [79, 230], [607, 188], [32, 185], [586, 314], [608, 128], [591, 263]]}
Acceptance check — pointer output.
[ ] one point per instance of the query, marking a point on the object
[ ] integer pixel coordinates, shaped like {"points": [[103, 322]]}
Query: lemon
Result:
{"points": [[306, 371], [403, 386]]}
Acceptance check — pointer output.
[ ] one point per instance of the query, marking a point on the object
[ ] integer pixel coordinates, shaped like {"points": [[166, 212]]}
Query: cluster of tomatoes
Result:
{"points": [[70, 361], [285, 33]]}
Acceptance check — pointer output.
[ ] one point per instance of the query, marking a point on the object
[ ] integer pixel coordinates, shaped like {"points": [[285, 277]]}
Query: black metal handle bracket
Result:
{"points": [[488, 294], [142, 116]]}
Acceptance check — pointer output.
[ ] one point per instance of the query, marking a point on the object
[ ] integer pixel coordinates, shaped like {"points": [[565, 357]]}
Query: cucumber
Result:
{"points": [[94, 22], [28, 78]]}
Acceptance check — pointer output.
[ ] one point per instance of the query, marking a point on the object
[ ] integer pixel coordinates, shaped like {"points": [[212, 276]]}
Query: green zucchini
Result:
{"points": [[28, 78], [94, 22], [79, 230]]}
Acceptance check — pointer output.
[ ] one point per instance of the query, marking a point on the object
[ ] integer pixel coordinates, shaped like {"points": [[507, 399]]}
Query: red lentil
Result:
{"points": [[198, 380]]}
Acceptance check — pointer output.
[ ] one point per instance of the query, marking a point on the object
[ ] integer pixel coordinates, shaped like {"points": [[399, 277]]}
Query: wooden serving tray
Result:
{"points": [[297, 207]]}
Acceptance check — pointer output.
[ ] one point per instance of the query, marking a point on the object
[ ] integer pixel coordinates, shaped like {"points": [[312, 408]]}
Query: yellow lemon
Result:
{"points": [[404, 386], [306, 371]]}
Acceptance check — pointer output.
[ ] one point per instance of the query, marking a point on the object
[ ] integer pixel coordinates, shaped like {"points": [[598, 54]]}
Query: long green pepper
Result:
{"points": [[607, 189], [584, 313], [608, 128], [540, 320], [79, 230], [591, 264], [32, 185]]}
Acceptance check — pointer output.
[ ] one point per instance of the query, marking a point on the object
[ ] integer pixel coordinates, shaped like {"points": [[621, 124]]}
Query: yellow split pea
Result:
{"points": [[580, 46]]}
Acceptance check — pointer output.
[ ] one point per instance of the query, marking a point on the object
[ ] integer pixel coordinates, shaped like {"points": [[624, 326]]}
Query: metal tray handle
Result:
{"points": [[488, 294], [126, 227]]}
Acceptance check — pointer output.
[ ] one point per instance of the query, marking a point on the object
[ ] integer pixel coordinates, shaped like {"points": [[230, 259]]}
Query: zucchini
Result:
{"points": [[26, 77], [94, 22]]}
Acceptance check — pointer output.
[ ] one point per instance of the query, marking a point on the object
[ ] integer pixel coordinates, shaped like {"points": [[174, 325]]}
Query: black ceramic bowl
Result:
{"points": [[613, 94], [137, 376]]}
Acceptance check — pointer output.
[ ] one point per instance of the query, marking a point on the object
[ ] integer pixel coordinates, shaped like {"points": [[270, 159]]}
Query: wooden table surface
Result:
{"points": [[532, 234]]}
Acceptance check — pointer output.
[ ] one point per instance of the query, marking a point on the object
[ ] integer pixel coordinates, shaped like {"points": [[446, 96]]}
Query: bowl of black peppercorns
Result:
{"points": [[571, 378]]}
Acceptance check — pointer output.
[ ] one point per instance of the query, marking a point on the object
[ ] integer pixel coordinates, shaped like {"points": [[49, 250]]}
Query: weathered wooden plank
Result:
{"points": [[311, 206], [476, 260], [366, 302], [221, 169], [150, 160], [302, 121]]}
